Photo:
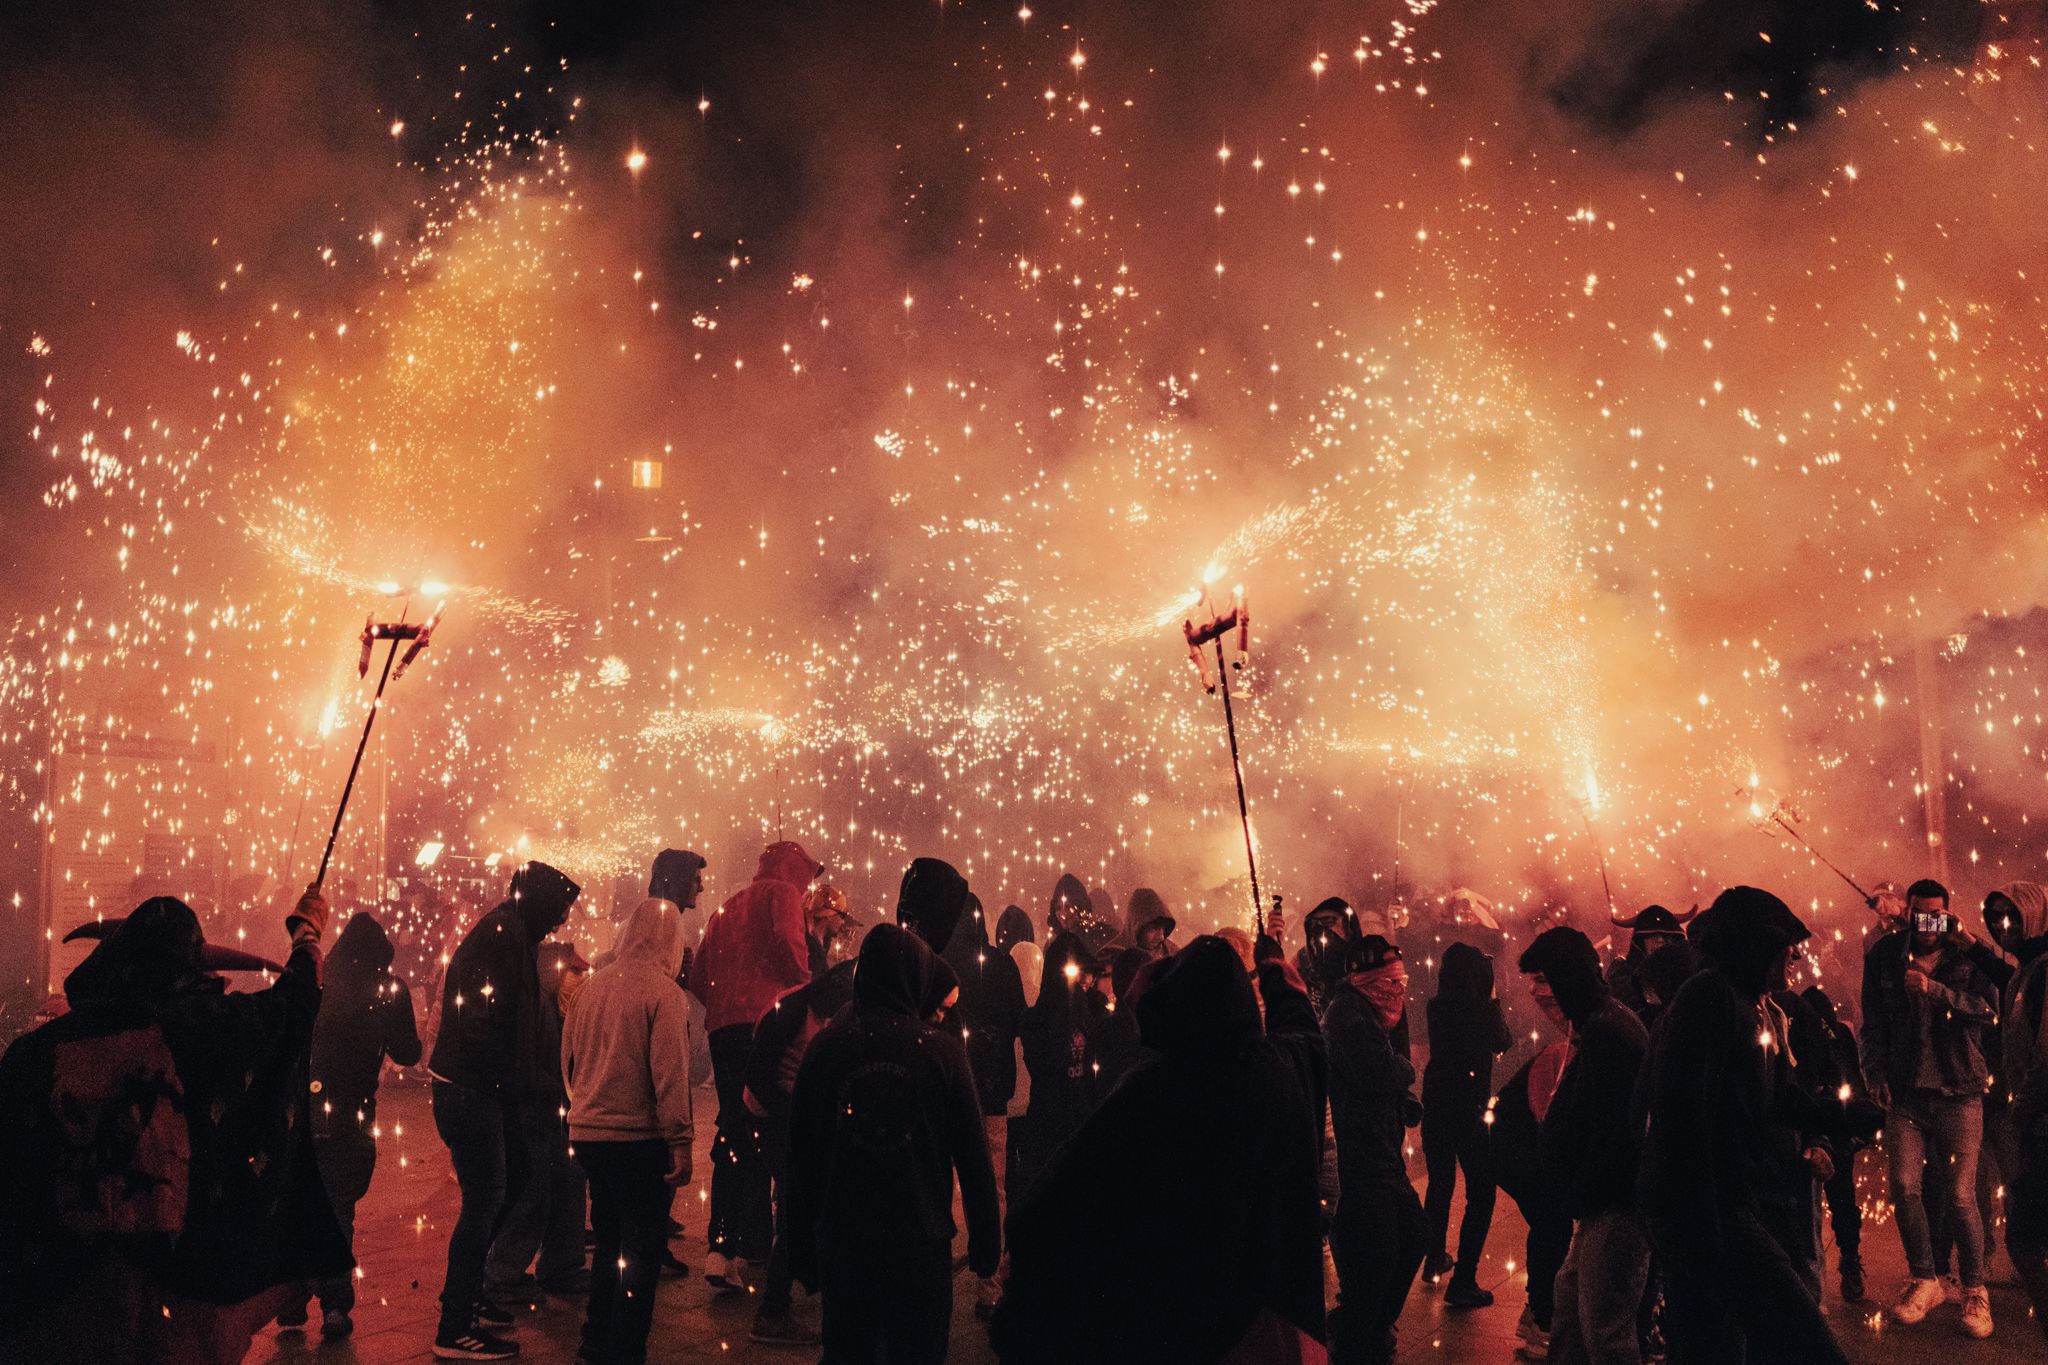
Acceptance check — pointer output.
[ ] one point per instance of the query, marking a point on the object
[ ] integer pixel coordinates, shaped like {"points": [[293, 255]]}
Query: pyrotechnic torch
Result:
{"points": [[1785, 817], [414, 636], [1235, 624]]}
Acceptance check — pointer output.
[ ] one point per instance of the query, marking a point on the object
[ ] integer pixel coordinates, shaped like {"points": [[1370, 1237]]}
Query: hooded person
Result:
{"points": [[990, 1012], [1017, 940], [625, 1056], [1148, 924], [1713, 1090], [781, 1040], [1589, 1145], [1207, 1154], [492, 1069], [1327, 933], [366, 1016], [677, 877], [1073, 911], [931, 901], [1467, 1030], [1649, 929], [1064, 1034], [1380, 1234], [754, 951], [883, 1119], [163, 1186], [2017, 917]]}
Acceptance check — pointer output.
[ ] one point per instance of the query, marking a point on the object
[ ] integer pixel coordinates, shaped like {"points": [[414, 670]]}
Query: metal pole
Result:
{"points": [[1237, 770], [376, 703]]}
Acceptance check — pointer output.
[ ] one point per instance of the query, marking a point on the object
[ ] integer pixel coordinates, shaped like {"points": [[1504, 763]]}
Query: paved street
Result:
{"points": [[402, 1231]]}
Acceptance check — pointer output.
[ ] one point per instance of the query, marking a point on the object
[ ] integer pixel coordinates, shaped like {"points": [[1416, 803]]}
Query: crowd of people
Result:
{"points": [[1207, 1130]]}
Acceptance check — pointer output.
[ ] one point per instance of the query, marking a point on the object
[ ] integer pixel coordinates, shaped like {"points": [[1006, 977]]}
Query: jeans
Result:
{"points": [[742, 1215], [488, 1150], [1732, 1297], [1922, 1125], [894, 1306], [1378, 1240], [346, 1156], [1844, 1213], [537, 1221], [629, 1196], [1599, 1290], [1456, 1139]]}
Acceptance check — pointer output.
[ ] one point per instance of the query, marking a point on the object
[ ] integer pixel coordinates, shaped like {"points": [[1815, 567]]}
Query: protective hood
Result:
{"points": [[672, 874], [895, 972], [1199, 1001], [1014, 928], [931, 901], [787, 862], [969, 946], [945, 981], [1663, 971], [1742, 932], [1571, 965], [652, 934], [2033, 907], [1068, 892], [543, 896], [1466, 974], [362, 951], [143, 959], [1146, 907]]}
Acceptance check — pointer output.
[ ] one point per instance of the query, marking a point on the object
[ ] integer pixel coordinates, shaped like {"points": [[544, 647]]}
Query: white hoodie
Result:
{"points": [[626, 1042]]}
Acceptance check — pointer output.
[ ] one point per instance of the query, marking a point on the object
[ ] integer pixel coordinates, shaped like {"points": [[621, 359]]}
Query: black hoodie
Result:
{"points": [[1466, 1029], [1188, 1204], [931, 901], [365, 1016], [884, 1115], [1590, 1138], [1714, 1142], [1064, 1035], [991, 1008], [493, 1033]]}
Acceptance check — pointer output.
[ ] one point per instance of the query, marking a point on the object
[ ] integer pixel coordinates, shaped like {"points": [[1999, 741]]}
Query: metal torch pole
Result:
{"points": [[1244, 814], [376, 704]]}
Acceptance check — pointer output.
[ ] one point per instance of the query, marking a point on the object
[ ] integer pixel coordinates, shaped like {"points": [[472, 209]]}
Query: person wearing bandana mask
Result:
{"points": [[1380, 1233]]}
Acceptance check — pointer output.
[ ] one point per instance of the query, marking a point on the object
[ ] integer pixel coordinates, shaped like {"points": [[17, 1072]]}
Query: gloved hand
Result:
{"points": [[678, 1165], [307, 923]]}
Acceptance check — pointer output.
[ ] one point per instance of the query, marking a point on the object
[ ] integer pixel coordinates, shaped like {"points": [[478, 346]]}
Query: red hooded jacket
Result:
{"points": [[753, 948]]}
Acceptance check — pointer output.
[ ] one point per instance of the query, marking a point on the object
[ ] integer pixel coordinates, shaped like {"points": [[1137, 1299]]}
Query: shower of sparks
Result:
{"points": [[1553, 504]]}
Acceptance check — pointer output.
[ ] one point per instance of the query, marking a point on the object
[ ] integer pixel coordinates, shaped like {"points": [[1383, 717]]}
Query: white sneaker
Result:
{"points": [[1917, 1300], [1951, 1288], [1977, 1313]]}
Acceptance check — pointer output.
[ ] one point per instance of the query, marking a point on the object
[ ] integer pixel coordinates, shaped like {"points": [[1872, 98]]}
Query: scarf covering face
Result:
{"points": [[1385, 988]]}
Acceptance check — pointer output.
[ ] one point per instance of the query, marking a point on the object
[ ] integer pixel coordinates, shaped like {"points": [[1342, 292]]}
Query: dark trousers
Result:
{"points": [[742, 1215], [487, 1147], [2026, 1234], [1733, 1297], [1456, 1140], [894, 1306], [629, 1195], [1550, 1231], [1378, 1240], [346, 1155], [1845, 1215], [777, 1284], [539, 1219]]}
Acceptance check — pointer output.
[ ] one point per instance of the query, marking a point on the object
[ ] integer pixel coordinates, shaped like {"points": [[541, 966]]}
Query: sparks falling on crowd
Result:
{"points": [[1596, 457]]}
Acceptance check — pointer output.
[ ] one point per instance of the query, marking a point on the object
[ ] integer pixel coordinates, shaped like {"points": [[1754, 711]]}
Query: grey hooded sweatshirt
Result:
{"points": [[626, 1042]]}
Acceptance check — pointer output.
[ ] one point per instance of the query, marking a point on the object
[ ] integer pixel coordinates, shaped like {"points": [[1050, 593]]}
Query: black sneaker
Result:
{"points": [[1436, 1267], [473, 1344], [1853, 1288], [492, 1318], [671, 1264], [1467, 1294], [336, 1323]]}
